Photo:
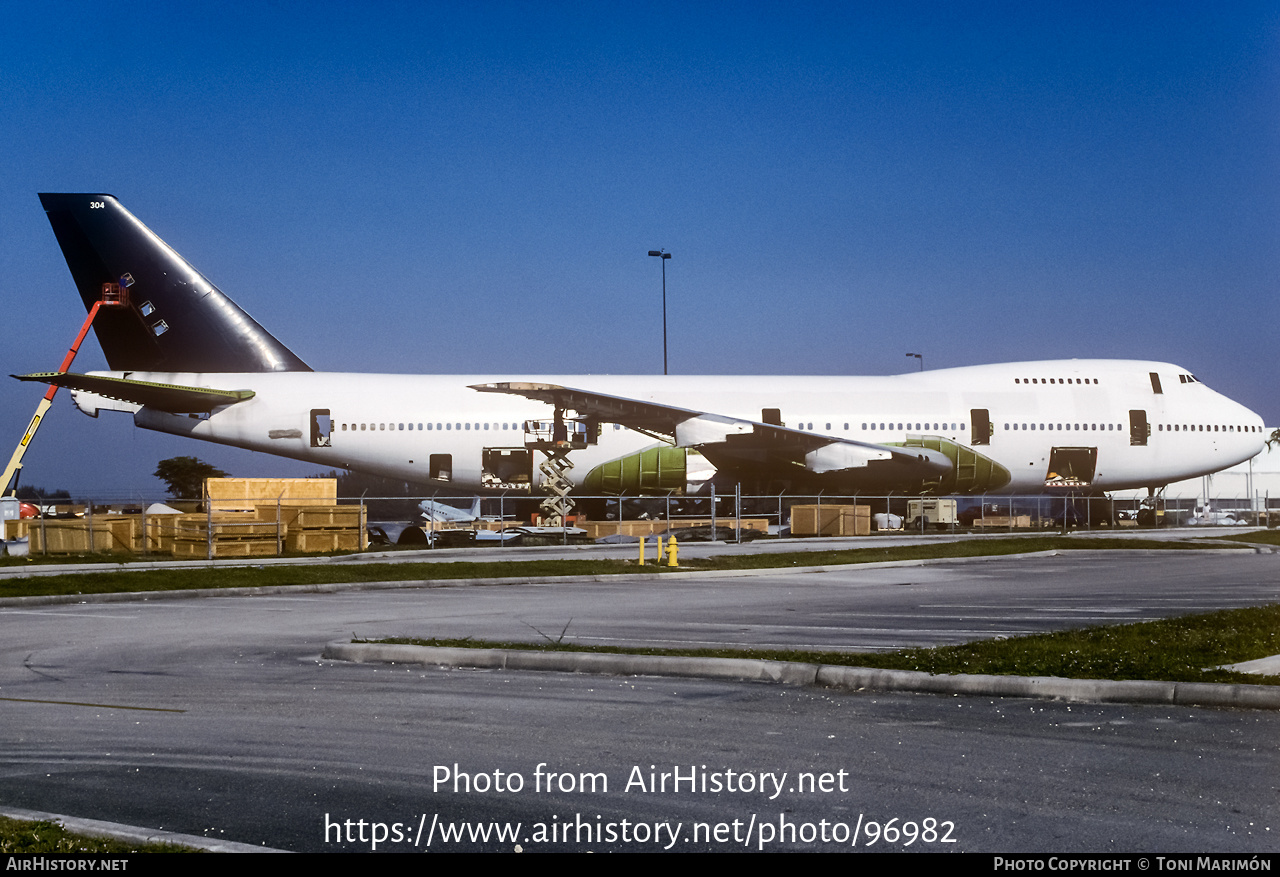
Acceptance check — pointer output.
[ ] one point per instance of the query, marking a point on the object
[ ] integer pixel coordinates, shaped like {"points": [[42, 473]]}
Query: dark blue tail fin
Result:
{"points": [[176, 320]]}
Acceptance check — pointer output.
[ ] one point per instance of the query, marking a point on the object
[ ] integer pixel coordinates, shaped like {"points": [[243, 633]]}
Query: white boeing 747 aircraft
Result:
{"points": [[187, 360]]}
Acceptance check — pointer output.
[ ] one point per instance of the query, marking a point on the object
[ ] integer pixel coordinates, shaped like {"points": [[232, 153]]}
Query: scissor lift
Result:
{"points": [[555, 440], [114, 295]]}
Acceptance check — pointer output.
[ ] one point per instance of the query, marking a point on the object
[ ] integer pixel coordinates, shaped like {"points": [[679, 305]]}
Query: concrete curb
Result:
{"points": [[796, 673], [117, 831]]}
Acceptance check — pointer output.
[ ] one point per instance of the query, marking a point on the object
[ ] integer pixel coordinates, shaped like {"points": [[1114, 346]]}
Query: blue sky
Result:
{"points": [[446, 187]]}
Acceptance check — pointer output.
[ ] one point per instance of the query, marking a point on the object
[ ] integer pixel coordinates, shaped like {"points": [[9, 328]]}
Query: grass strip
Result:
{"points": [[1258, 537], [1184, 649], [19, 836], [161, 579]]}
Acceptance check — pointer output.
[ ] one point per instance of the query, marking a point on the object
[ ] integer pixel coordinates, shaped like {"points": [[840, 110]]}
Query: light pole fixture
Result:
{"points": [[919, 356], [664, 256]]}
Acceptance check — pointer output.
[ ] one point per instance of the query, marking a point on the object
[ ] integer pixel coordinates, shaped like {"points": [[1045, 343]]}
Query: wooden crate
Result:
{"points": [[237, 548], [330, 517], [105, 533], [246, 494], [323, 541], [1003, 521], [830, 520]]}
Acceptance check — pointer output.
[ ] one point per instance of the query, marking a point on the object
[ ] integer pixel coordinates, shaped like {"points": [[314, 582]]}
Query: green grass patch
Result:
{"points": [[274, 575], [1171, 650], [21, 836], [1258, 537]]}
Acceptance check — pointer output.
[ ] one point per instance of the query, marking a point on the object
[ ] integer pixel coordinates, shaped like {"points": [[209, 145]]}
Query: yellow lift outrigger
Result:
{"points": [[114, 295]]}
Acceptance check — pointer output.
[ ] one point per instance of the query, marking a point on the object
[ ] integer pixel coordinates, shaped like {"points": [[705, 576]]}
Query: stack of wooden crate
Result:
{"points": [[319, 529], [305, 511]]}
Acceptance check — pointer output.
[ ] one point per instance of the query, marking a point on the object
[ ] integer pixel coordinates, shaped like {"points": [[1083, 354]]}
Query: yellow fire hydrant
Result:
{"points": [[671, 552]]}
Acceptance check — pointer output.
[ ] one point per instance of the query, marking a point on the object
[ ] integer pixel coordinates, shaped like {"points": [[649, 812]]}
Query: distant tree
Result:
{"points": [[185, 476], [1275, 438], [30, 492]]}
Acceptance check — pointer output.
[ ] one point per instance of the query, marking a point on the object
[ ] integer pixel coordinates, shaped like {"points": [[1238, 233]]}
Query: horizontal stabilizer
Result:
{"points": [[173, 398]]}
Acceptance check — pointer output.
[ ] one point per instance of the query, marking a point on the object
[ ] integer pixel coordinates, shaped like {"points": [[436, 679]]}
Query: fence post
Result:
{"points": [[713, 512], [208, 526]]}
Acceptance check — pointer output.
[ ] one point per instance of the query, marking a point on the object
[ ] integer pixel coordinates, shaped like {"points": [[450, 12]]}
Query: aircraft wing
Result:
{"points": [[730, 442], [173, 398]]}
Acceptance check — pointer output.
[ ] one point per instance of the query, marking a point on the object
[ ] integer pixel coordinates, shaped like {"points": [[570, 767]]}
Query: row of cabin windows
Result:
{"points": [[398, 427], [872, 426], [1055, 380], [1067, 426], [869, 427], [1046, 426], [1205, 427], [1173, 427]]}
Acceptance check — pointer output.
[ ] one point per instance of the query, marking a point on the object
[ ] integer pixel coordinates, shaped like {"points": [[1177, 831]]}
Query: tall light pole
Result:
{"points": [[664, 256], [919, 356]]}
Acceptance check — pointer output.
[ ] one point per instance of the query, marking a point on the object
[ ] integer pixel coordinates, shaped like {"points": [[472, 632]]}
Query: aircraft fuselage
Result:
{"points": [[1136, 430]]}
